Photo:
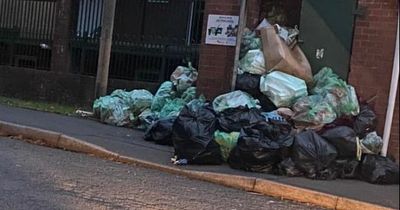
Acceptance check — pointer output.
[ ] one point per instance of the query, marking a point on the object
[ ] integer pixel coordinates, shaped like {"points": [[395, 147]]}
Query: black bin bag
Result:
{"points": [[288, 168], [344, 139], [250, 83], [161, 131], [261, 147], [376, 169], [365, 122], [234, 119], [312, 154], [192, 135], [347, 168]]}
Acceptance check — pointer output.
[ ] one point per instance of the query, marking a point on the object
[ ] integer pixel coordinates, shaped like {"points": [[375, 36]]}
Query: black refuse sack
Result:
{"points": [[261, 147], [376, 169], [344, 139], [312, 154], [265, 103], [161, 131], [233, 120], [250, 83], [365, 122], [288, 168], [347, 168], [192, 135]]}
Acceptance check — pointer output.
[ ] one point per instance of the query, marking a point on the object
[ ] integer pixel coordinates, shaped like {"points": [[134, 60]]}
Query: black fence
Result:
{"points": [[26, 31], [151, 37]]}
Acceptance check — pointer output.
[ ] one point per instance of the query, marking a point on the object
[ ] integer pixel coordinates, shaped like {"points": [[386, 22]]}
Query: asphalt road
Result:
{"points": [[34, 177]]}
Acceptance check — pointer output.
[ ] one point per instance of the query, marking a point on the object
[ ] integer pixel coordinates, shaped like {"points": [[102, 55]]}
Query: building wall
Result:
{"points": [[372, 59], [216, 62]]}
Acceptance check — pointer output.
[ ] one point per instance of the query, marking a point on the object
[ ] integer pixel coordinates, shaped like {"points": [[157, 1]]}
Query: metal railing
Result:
{"points": [[150, 37], [26, 31]]}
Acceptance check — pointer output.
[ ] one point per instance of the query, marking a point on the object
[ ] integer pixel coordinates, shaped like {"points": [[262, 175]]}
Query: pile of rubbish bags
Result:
{"points": [[141, 109], [281, 119]]}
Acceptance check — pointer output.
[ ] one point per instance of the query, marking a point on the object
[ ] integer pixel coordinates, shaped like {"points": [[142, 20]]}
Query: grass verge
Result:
{"points": [[38, 105]]}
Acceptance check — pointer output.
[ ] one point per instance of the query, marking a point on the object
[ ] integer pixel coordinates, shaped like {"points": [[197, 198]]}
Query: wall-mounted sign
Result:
{"points": [[222, 30]]}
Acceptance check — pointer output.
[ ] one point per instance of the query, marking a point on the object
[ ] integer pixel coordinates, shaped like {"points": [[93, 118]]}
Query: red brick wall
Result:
{"points": [[372, 58], [371, 62], [216, 62]]}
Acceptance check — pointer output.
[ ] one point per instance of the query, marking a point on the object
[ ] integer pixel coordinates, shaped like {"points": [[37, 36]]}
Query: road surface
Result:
{"points": [[35, 177]]}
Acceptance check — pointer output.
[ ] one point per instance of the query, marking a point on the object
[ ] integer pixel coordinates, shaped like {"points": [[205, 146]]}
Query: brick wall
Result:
{"points": [[372, 58], [216, 62], [371, 61]]}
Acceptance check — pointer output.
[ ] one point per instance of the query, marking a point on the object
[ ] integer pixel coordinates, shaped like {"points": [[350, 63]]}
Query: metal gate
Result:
{"points": [[151, 37], [327, 32]]}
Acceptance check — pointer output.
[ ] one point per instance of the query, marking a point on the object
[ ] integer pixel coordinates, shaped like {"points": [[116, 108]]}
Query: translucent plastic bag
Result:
{"points": [[184, 77], [164, 93], [112, 110], [253, 63], [233, 100], [226, 141], [372, 144], [189, 94], [313, 111], [341, 96], [140, 100], [250, 41], [172, 108], [147, 118], [282, 89]]}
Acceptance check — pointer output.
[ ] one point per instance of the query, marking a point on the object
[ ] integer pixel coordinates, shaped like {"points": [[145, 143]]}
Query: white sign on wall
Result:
{"points": [[222, 30]]}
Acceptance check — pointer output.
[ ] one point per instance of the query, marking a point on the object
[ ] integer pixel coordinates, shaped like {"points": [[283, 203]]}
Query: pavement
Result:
{"points": [[35, 177], [130, 143]]}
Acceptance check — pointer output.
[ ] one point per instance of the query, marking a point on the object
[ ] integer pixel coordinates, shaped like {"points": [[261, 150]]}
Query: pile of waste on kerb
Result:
{"points": [[281, 119]]}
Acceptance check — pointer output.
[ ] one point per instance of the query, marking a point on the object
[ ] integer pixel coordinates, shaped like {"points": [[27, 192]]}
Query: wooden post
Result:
{"points": [[242, 25], [107, 27]]}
